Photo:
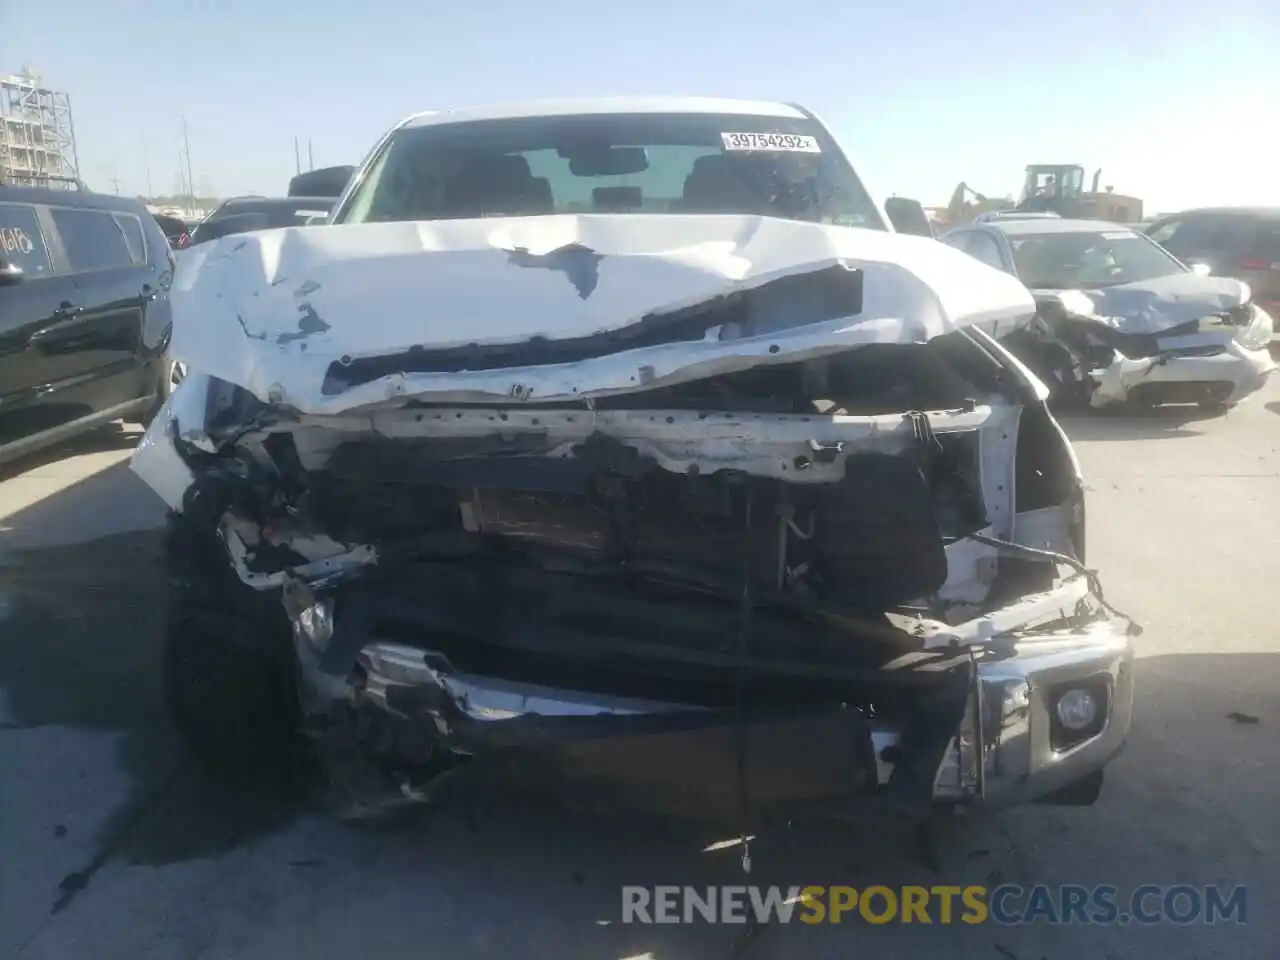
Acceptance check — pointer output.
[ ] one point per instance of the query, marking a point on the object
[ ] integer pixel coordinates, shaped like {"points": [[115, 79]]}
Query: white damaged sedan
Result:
{"points": [[1120, 320], [628, 432]]}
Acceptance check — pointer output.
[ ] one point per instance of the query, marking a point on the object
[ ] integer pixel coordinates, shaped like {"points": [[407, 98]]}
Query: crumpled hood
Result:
{"points": [[271, 311], [1151, 306]]}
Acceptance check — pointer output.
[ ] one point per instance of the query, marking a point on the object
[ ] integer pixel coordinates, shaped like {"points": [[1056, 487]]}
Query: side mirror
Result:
{"points": [[908, 216], [607, 161], [1201, 269], [10, 274]]}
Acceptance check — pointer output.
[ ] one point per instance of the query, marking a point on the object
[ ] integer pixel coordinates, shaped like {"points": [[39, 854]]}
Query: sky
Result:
{"points": [[1176, 101]]}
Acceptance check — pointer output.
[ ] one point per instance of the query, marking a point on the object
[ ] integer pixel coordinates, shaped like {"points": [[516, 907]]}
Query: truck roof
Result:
{"points": [[595, 105]]}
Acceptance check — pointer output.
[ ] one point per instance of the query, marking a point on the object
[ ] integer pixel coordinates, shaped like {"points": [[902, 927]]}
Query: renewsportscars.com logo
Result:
{"points": [[1008, 904]]}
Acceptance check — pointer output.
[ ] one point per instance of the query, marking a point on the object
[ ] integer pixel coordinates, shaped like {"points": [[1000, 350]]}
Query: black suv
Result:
{"points": [[246, 214], [1240, 242], [84, 314]]}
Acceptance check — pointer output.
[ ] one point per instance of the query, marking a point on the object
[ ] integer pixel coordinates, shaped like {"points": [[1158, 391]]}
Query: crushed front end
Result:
{"points": [[1216, 355], [853, 572]]}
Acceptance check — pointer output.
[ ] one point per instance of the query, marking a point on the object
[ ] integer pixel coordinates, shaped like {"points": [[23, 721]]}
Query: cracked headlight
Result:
{"points": [[1257, 335]]}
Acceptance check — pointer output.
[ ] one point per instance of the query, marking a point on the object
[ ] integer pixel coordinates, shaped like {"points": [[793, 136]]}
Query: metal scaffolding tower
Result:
{"points": [[37, 138]]}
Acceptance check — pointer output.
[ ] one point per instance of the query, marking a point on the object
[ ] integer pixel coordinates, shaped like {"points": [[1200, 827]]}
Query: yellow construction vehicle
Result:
{"points": [[1059, 188], [960, 210]]}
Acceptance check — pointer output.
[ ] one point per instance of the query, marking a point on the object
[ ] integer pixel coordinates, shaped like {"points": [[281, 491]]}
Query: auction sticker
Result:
{"points": [[774, 142]]}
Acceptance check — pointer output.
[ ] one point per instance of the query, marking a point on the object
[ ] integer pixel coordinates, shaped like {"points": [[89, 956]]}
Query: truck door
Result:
{"points": [[32, 302]]}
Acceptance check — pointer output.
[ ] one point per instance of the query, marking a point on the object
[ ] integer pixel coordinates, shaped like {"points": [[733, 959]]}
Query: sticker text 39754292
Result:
{"points": [[772, 142]]}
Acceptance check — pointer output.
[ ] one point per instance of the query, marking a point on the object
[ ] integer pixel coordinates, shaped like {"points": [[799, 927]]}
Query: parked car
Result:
{"points": [[627, 432], [84, 314], [175, 230], [1240, 242], [244, 214], [987, 216], [1121, 320], [325, 182]]}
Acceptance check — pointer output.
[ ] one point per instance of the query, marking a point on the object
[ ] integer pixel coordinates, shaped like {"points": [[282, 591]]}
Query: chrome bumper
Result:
{"points": [[1011, 716], [1009, 712]]}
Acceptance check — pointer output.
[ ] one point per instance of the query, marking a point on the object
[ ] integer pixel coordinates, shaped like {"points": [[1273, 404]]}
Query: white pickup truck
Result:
{"points": [[622, 430]]}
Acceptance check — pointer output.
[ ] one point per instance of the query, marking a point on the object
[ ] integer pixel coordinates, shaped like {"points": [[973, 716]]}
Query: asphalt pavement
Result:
{"points": [[113, 846]]}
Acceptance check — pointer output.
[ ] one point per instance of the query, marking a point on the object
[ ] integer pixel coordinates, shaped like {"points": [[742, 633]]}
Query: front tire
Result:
{"points": [[230, 679]]}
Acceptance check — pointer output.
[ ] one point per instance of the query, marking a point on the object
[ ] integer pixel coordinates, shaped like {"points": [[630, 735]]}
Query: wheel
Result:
{"points": [[230, 679]]}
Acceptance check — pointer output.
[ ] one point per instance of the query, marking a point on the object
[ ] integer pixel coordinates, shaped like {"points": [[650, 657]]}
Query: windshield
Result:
{"points": [[1066, 261], [613, 163], [1047, 183]]}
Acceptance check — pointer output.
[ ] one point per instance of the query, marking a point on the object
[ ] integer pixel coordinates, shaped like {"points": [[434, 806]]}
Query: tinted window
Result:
{"points": [[1204, 234], [21, 242], [984, 247], [133, 236], [92, 238], [1266, 243], [1064, 261], [610, 163]]}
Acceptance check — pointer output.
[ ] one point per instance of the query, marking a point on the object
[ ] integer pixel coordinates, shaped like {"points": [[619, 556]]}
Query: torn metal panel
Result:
{"points": [[680, 441], [157, 461], [275, 311], [1183, 338], [688, 443]]}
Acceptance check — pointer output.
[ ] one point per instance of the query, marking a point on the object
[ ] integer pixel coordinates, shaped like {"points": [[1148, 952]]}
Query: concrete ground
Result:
{"points": [[112, 846]]}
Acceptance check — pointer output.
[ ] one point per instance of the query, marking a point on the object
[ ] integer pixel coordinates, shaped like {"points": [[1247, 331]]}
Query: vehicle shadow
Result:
{"points": [[1191, 800], [506, 861], [1273, 406], [82, 614], [113, 436], [91, 497], [1172, 420], [81, 629]]}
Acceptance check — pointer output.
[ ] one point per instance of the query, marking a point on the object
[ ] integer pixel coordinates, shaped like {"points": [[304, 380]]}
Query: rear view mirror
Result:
{"points": [[1201, 269], [10, 274], [606, 161], [908, 216]]}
